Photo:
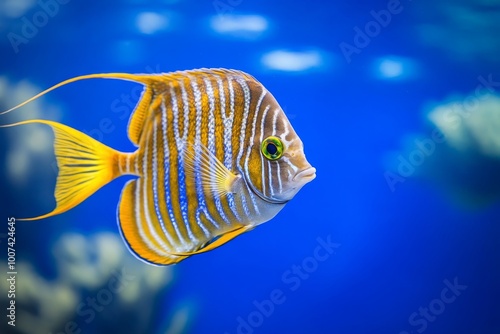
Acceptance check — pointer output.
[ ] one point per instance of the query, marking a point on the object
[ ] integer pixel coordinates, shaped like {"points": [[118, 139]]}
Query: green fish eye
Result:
{"points": [[272, 148]]}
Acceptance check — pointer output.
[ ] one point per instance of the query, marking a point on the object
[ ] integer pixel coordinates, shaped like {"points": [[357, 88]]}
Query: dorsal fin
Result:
{"points": [[136, 121], [152, 83], [138, 116]]}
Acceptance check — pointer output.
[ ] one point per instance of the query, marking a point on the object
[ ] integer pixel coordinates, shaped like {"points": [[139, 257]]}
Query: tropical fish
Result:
{"points": [[216, 156]]}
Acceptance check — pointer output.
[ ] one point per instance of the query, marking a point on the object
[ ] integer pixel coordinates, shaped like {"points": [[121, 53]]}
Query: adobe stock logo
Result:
{"points": [[121, 109], [454, 117], [223, 7], [424, 148], [363, 37], [436, 307], [118, 281], [31, 26]]}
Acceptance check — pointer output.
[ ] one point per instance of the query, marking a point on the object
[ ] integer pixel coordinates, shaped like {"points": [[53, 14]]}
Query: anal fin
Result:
{"points": [[129, 216]]}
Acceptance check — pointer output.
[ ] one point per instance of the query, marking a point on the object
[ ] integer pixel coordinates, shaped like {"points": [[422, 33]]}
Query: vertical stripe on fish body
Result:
{"points": [[216, 157]]}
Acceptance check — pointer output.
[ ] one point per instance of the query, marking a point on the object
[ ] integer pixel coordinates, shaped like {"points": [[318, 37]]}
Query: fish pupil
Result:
{"points": [[271, 148]]}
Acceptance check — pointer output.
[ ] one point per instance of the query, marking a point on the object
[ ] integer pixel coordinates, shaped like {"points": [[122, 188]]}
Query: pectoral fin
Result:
{"points": [[215, 177]]}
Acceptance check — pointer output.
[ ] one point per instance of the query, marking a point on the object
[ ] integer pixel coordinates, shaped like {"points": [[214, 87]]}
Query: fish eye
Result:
{"points": [[272, 148]]}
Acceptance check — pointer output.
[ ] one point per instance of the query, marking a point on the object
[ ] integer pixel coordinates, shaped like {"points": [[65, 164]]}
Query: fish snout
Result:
{"points": [[305, 175]]}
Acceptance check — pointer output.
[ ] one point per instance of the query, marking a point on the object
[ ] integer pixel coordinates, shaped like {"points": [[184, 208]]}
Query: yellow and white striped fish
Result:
{"points": [[216, 157]]}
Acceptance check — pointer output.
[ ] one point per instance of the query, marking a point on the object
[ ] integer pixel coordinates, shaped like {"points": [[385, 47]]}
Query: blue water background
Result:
{"points": [[395, 249]]}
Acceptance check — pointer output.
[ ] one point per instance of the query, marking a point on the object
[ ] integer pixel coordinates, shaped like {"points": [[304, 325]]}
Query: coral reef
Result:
{"points": [[464, 30], [460, 152]]}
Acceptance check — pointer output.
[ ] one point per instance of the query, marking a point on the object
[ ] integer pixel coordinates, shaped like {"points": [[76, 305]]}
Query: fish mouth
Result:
{"points": [[306, 175]]}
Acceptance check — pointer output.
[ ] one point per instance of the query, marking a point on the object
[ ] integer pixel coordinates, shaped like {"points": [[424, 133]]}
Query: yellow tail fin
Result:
{"points": [[85, 165]]}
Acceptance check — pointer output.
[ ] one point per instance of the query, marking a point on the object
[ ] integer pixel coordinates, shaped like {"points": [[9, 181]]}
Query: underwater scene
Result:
{"points": [[250, 167]]}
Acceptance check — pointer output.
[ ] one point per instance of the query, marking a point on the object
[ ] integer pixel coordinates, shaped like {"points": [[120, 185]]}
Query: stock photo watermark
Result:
{"points": [[87, 309], [31, 24], [420, 320], [11, 271], [292, 278], [363, 36], [121, 108], [408, 163]]}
